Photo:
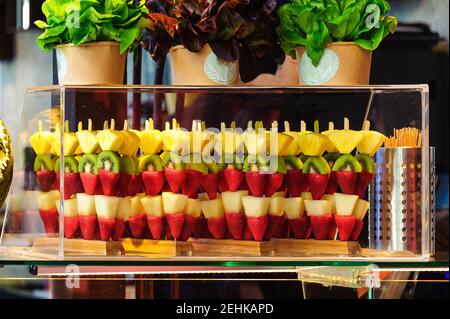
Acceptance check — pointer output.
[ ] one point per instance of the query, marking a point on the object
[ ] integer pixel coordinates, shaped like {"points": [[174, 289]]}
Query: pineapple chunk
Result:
{"points": [[345, 140], [332, 200], [110, 139], [70, 207], [47, 200], [307, 196], [256, 206], [276, 206], [136, 205], [175, 139], [40, 141], [86, 205], [232, 201], [345, 204], [151, 142], [131, 142], [318, 207], [313, 144], [123, 209], [106, 206], [153, 205], [294, 207], [173, 203], [213, 208], [87, 138], [370, 142], [193, 207], [361, 209]]}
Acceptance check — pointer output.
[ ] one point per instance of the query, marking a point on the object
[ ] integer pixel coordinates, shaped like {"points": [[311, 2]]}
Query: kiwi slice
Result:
{"points": [[88, 164], [316, 164], [128, 165], [214, 167], [43, 163], [70, 165], [150, 163], [331, 158], [293, 162], [255, 163], [303, 158], [172, 160], [109, 161], [367, 164], [232, 161], [347, 162]]}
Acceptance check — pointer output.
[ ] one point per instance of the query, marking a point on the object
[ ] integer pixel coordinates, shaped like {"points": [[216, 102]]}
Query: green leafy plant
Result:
{"points": [[243, 30], [317, 23], [80, 21]]}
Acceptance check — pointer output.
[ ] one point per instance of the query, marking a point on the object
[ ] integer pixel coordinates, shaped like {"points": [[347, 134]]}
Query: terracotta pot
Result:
{"points": [[90, 63], [203, 68], [343, 63]]}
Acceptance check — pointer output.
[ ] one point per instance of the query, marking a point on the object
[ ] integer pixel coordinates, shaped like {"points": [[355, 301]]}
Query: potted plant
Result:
{"points": [[91, 37], [217, 42], [333, 40]]}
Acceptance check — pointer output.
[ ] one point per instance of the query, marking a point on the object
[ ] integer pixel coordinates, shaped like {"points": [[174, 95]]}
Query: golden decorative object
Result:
{"points": [[6, 162]]}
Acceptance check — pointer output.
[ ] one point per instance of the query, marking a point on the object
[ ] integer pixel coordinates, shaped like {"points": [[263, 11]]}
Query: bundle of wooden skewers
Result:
{"points": [[405, 137]]}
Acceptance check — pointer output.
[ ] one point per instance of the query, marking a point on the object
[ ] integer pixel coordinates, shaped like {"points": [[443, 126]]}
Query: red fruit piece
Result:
{"points": [[209, 183], [243, 186], [88, 226], [153, 182], [138, 225], [247, 234], [156, 226], [135, 185], [191, 183], [189, 223], [308, 227], [345, 225], [123, 184], [222, 186], [89, 182], [286, 228], [298, 227], [98, 189], [275, 227], [318, 184], [108, 181], [359, 224], [258, 226], [106, 228], [274, 183], [256, 183], [119, 229], [332, 184], [46, 179], [363, 181], [217, 227], [200, 227], [50, 220], [320, 226], [333, 228], [347, 181], [175, 178], [71, 182], [56, 184], [233, 178], [70, 226], [235, 224], [175, 222]]}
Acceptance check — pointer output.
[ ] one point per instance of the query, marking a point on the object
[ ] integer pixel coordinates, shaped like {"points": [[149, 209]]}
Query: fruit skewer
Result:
{"points": [[276, 217], [87, 216], [256, 210], [295, 212], [153, 206], [214, 213], [174, 205], [137, 219], [71, 221], [331, 157], [47, 210], [319, 213], [345, 221], [234, 212]]}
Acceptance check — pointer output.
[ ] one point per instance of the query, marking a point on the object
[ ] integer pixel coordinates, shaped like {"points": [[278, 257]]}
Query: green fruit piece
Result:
{"points": [[255, 163], [172, 160], [282, 167], [150, 163], [303, 158], [331, 158], [316, 164], [109, 161], [43, 162], [57, 164], [347, 162], [214, 167], [70, 164], [367, 164], [128, 165], [232, 161], [199, 167], [88, 164], [293, 162]]}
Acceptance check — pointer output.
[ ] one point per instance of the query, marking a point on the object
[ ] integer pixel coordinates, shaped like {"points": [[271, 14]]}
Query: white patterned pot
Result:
{"points": [[90, 63], [343, 63], [203, 68]]}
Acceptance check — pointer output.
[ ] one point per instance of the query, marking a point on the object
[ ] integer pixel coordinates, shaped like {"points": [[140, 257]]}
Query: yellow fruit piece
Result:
{"points": [[199, 137], [109, 139], [40, 141], [282, 141], [87, 138], [151, 142], [313, 144], [370, 142], [292, 148], [228, 141], [175, 139], [345, 140], [70, 142], [255, 139], [131, 142]]}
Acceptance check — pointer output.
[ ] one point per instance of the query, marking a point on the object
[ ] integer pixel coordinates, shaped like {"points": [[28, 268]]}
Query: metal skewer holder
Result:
{"points": [[401, 212]]}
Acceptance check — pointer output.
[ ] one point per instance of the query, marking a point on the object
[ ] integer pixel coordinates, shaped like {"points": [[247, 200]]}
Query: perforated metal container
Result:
{"points": [[402, 201]]}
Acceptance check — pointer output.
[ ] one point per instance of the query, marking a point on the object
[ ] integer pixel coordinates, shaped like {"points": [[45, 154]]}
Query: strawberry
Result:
{"points": [[46, 179], [233, 178], [57, 182], [200, 227], [320, 226], [308, 227], [175, 178], [235, 224], [108, 181], [98, 189], [256, 183], [275, 227], [191, 183], [209, 183], [274, 183], [156, 226], [247, 234], [135, 185], [71, 181], [217, 227], [123, 184], [296, 182], [243, 186], [89, 182], [318, 184], [332, 184], [88, 226], [363, 181], [298, 227], [345, 225], [333, 228], [175, 222], [138, 225], [70, 226], [119, 229], [153, 182], [106, 228], [258, 226], [359, 224], [50, 218], [347, 181], [222, 186], [188, 226], [286, 228]]}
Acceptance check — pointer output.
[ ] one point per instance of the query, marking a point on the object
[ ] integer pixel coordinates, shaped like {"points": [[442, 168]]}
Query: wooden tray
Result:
{"points": [[79, 247], [156, 248], [308, 247], [231, 248]]}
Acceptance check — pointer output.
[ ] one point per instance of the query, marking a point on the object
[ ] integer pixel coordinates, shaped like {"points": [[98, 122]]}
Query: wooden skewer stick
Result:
{"points": [[316, 127], [302, 126], [105, 125], [90, 125], [330, 126], [346, 123], [167, 126], [80, 126], [125, 125], [366, 126], [287, 126], [40, 127], [113, 124]]}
